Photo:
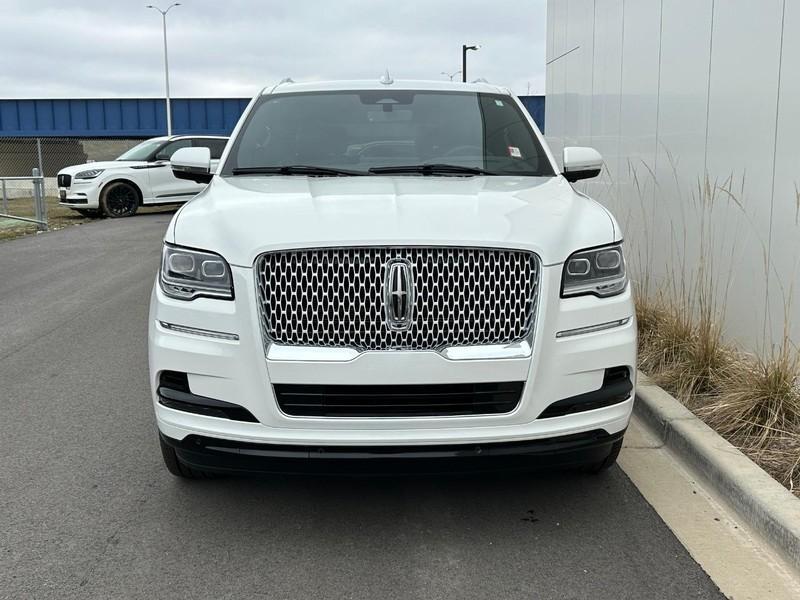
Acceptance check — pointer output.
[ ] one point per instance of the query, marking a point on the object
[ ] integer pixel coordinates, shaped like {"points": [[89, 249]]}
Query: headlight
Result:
{"points": [[90, 174], [187, 274], [599, 271]]}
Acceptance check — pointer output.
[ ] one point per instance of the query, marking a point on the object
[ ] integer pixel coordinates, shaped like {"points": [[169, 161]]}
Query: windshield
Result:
{"points": [[357, 131], [141, 151]]}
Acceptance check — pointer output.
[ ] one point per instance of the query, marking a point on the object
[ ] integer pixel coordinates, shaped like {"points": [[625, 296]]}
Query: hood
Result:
{"points": [[241, 217], [101, 164]]}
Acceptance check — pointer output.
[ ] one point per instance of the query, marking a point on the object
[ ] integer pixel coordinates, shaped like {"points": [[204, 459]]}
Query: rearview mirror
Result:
{"points": [[192, 164], [581, 163]]}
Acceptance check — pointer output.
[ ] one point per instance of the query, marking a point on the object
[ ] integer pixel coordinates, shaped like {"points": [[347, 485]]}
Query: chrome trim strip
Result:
{"points": [[593, 328], [310, 353], [516, 350], [278, 352], [219, 335], [177, 195]]}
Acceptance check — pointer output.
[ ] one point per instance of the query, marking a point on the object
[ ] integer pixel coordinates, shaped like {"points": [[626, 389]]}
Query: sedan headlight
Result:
{"points": [[90, 174], [598, 271], [187, 274]]}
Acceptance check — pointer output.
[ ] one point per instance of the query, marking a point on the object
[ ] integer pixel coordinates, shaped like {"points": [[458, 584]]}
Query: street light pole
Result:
{"points": [[166, 59], [464, 49]]}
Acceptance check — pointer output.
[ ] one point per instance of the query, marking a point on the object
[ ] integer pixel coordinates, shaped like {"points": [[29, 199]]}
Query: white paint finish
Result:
{"points": [[240, 374], [443, 85], [399, 368], [581, 158], [192, 158], [666, 116], [241, 217]]}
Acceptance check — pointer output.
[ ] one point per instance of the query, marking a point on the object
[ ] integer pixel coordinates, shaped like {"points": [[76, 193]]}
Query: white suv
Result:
{"points": [[385, 273], [141, 176]]}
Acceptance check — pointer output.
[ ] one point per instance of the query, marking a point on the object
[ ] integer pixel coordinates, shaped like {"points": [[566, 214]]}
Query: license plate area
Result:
{"points": [[62, 194]]}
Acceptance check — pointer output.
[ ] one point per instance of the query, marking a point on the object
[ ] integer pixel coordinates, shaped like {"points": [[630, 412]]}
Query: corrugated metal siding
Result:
{"points": [[535, 106], [139, 117], [117, 117]]}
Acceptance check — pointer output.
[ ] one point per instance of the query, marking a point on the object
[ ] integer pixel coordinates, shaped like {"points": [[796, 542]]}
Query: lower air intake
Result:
{"points": [[398, 400]]}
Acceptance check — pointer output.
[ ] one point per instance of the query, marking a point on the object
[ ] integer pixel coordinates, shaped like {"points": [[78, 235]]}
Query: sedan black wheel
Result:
{"points": [[119, 199]]}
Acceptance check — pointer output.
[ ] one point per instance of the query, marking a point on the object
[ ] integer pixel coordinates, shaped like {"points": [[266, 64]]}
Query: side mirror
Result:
{"points": [[192, 164], [581, 163]]}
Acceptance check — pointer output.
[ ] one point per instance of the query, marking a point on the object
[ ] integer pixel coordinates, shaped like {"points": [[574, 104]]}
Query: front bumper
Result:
{"points": [[82, 193], [223, 456], [239, 372]]}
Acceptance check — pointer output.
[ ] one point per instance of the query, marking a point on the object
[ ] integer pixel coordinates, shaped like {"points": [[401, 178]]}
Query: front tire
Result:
{"points": [[119, 199], [178, 468]]}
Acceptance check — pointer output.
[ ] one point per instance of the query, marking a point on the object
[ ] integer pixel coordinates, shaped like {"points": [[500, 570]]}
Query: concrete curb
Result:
{"points": [[768, 507]]}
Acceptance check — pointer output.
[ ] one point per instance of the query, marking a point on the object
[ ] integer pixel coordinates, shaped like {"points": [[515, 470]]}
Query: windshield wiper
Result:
{"points": [[430, 169], [295, 170]]}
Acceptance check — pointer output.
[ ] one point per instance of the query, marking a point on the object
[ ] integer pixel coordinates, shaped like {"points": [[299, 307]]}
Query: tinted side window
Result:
{"points": [[168, 150], [215, 146], [507, 134]]}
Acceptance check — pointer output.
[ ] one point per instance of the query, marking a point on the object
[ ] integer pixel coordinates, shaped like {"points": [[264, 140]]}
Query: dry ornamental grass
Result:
{"points": [[753, 402]]}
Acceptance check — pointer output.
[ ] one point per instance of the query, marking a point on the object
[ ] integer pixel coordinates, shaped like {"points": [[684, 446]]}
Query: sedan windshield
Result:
{"points": [[387, 132], [141, 151]]}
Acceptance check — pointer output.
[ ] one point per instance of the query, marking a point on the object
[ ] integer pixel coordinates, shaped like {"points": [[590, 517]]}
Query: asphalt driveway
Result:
{"points": [[87, 509]]}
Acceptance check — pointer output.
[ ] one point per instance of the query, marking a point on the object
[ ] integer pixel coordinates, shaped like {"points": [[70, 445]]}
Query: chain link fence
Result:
{"points": [[19, 156]]}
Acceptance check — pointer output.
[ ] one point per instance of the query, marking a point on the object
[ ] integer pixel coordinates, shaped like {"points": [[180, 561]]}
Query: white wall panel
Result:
{"points": [[550, 26], [578, 67], [639, 113], [554, 115], [785, 222], [741, 141], [607, 73], [680, 152], [685, 92], [548, 81]]}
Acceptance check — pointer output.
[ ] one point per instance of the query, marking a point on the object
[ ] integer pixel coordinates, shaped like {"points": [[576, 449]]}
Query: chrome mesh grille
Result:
{"points": [[334, 297]]}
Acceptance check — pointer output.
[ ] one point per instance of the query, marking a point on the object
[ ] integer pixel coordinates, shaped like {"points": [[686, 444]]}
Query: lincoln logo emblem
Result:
{"points": [[398, 295]]}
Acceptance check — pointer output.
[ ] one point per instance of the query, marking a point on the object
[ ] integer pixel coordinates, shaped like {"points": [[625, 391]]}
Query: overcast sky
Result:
{"points": [[109, 48]]}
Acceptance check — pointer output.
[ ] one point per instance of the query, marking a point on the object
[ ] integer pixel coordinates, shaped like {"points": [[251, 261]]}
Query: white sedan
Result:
{"points": [[140, 177]]}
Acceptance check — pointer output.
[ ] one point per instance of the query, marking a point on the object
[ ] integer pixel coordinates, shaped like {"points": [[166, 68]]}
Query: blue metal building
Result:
{"points": [[123, 117], [535, 106], [139, 117]]}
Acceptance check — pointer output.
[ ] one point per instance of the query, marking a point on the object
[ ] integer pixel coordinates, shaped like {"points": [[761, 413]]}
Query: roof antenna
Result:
{"points": [[387, 79]]}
